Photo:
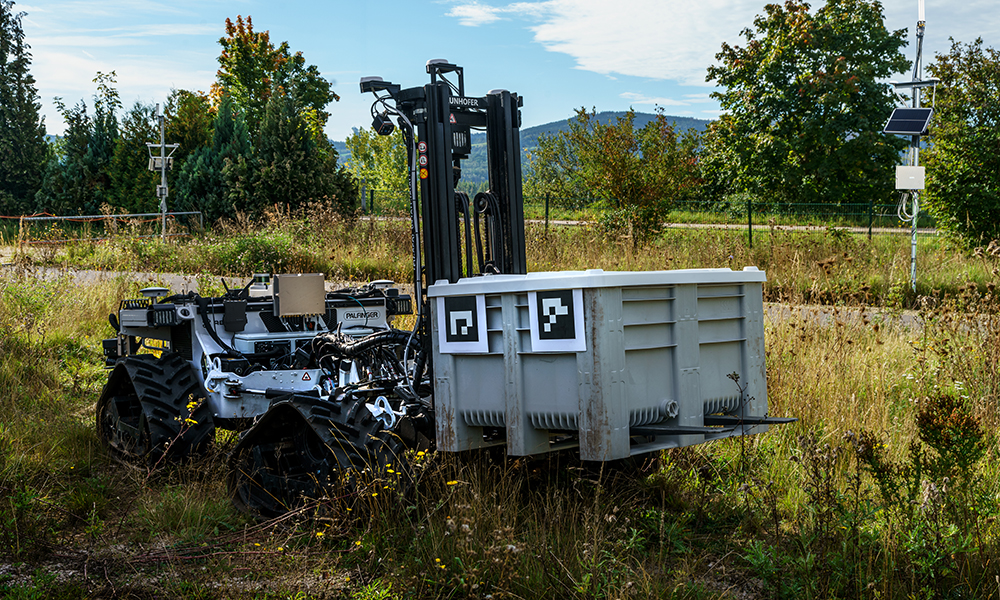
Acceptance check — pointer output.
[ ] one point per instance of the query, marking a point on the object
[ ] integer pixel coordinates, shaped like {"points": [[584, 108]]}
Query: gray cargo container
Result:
{"points": [[618, 362]]}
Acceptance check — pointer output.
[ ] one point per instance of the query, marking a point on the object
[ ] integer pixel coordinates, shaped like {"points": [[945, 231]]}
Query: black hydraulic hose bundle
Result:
{"points": [[328, 349], [488, 205], [342, 346]]}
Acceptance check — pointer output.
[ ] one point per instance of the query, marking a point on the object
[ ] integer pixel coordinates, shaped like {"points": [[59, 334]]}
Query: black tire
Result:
{"points": [[311, 452], [143, 413]]}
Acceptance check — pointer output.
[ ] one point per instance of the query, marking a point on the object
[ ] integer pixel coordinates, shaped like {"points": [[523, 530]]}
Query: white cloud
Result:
{"points": [[674, 40], [653, 39], [698, 98], [638, 98], [475, 14]]}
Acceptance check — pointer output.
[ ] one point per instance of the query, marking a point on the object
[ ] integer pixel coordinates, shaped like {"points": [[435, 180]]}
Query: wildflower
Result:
{"points": [[319, 534], [453, 482], [357, 543], [256, 544], [280, 549], [390, 471], [374, 493]]}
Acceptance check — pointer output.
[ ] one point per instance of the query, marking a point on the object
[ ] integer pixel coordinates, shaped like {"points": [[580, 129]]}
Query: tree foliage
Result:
{"points": [[23, 150], [640, 173], [615, 161], [201, 183], [189, 121], [256, 141], [293, 164], [252, 69], [804, 106], [78, 179], [133, 185], [379, 161], [964, 161]]}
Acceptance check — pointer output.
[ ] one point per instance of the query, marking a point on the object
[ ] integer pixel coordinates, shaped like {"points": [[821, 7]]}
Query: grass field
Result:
{"points": [[887, 487]]}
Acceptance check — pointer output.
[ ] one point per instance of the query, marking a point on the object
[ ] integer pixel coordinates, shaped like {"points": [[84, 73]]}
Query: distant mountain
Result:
{"points": [[342, 150], [474, 168]]}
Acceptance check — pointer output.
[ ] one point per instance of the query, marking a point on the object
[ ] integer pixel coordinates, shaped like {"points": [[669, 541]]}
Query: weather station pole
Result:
{"points": [[912, 122], [161, 163]]}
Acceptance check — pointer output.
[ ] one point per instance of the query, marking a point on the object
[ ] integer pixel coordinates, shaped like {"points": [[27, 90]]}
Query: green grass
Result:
{"points": [[858, 499]]}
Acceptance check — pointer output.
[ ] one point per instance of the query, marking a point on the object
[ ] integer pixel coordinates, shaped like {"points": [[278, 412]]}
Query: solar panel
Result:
{"points": [[908, 121]]}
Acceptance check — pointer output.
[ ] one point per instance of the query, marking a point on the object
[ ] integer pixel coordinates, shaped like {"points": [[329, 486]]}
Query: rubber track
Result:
{"points": [[275, 467], [163, 386]]}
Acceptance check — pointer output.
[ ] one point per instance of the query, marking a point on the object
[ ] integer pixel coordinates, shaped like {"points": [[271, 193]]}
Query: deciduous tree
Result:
{"points": [[252, 69], [639, 172], [804, 105], [379, 161], [963, 164]]}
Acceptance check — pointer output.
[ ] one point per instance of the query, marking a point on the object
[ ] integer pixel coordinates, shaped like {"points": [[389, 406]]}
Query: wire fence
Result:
{"points": [[879, 217], [45, 228]]}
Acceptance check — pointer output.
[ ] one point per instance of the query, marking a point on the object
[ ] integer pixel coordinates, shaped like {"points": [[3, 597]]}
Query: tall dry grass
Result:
{"points": [[798, 512]]}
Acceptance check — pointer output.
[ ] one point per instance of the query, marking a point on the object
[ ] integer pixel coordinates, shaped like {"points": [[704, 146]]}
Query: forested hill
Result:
{"points": [[474, 169], [529, 136]]}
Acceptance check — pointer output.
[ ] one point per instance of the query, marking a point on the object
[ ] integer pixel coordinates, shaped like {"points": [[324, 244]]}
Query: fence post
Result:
{"points": [[750, 220], [871, 217], [371, 203], [546, 214]]}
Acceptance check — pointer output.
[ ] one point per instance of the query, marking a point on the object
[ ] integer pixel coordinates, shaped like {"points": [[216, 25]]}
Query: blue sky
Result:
{"points": [[558, 54]]}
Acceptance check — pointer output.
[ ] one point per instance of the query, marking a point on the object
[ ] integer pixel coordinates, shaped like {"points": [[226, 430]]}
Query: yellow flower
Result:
{"points": [[319, 534], [374, 493], [357, 543], [280, 549], [452, 482], [437, 560]]}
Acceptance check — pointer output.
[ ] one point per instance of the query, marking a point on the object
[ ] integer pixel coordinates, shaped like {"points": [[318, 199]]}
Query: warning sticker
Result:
{"points": [[423, 173], [422, 146], [452, 115], [306, 377]]}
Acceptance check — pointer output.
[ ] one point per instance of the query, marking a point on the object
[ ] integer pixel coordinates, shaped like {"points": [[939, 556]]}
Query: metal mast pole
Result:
{"points": [[915, 144], [162, 190], [161, 163]]}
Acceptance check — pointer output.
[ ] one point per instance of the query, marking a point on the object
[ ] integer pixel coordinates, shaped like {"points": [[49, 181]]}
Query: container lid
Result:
{"points": [[592, 278]]}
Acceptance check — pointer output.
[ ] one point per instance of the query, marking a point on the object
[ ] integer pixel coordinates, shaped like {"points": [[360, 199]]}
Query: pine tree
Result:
{"points": [[201, 184], [293, 164], [23, 150]]}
